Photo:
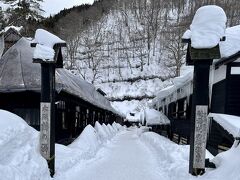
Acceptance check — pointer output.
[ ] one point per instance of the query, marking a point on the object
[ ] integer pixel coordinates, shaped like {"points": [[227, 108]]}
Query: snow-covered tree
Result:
{"points": [[22, 10]]}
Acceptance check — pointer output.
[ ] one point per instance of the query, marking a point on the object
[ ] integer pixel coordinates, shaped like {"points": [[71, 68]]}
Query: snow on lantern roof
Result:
{"points": [[45, 43], [229, 122], [207, 28], [46, 38], [44, 52]]}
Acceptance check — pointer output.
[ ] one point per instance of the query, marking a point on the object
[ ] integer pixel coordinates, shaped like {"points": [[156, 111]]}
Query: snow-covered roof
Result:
{"points": [[18, 73], [184, 82], [229, 122], [16, 28], [208, 27], [135, 118], [231, 45], [154, 117]]}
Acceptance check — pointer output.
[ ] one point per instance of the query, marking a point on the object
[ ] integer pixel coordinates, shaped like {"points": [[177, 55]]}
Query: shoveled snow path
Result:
{"points": [[125, 158]]}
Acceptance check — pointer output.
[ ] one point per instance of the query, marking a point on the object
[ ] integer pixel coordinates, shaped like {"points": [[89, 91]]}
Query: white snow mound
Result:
{"points": [[19, 152], [208, 27]]}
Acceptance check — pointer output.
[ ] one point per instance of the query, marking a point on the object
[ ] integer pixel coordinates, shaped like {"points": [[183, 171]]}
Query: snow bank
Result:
{"points": [[173, 159], [87, 141], [173, 156], [228, 122], [107, 131], [208, 27], [19, 152], [227, 164], [82, 148]]}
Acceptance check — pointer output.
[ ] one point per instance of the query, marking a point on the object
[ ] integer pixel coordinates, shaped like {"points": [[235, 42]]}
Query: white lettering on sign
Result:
{"points": [[200, 136], [45, 114]]}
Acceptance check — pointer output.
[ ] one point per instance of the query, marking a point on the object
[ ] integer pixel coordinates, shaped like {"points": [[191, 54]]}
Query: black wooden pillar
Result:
{"points": [[48, 96], [200, 99]]}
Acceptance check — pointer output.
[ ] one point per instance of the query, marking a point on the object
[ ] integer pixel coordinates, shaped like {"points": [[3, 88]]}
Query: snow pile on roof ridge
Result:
{"points": [[19, 150], [229, 122], [16, 28], [154, 117], [208, 27]]}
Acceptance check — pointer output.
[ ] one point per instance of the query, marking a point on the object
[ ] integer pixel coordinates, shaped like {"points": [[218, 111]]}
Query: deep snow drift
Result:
{"points": [[108, 152], [20, 158], [19, 153]]}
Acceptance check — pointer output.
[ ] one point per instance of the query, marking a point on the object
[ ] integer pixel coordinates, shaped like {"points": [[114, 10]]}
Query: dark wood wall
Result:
{"points": [[72, 114]]}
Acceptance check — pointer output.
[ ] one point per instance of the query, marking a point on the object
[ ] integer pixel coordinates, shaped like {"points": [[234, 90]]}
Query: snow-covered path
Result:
{"points": [[125, 158]]}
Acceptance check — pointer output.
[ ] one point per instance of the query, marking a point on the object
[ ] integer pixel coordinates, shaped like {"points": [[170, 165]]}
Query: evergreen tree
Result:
{"points": [[20, 11]]}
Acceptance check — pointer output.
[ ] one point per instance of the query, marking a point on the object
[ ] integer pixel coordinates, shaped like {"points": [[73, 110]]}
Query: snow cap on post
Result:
{"points": [[47, 46], [208, 27]]}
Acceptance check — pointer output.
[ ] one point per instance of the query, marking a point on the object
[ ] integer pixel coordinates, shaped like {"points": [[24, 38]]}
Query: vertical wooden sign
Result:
{"points": [[200, 136], [45, 119]]}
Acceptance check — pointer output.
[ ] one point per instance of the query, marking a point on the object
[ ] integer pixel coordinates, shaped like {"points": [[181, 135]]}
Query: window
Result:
{"points": [[182, 108], [174, 108], [64, 123]]}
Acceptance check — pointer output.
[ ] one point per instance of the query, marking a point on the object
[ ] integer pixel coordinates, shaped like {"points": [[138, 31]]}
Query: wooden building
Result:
{"points": [[77, 102], [175, 101]]}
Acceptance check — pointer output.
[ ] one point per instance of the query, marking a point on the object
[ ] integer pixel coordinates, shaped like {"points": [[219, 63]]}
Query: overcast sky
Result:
{"points": [[54, 6]]}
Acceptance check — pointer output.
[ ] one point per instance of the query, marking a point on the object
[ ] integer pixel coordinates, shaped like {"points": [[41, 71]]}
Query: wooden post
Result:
{"points": [[47, 128], [199, 122], [47, 105]]}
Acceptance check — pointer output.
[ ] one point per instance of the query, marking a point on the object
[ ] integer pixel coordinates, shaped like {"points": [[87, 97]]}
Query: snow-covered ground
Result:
{"points": [[104, 152]]}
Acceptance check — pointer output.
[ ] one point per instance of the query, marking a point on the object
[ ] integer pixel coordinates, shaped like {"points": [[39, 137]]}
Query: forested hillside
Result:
{"points": [[129, 48]]}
